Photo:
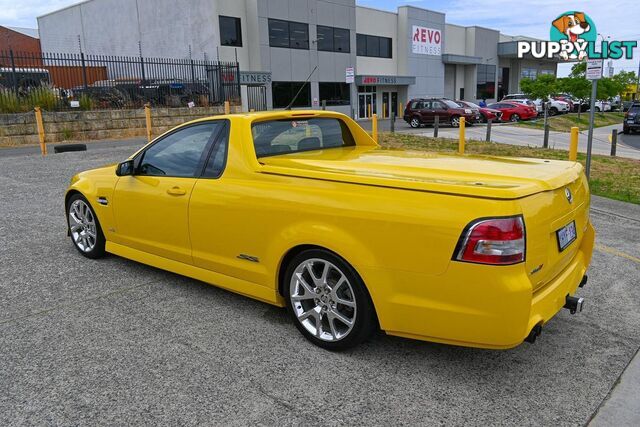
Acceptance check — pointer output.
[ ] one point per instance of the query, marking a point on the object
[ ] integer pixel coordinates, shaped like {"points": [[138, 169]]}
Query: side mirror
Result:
{"points": [[125, 168]]}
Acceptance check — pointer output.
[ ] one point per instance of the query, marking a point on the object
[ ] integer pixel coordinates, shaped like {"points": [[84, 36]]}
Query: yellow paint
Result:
{"points": [[147, 115], [227, 107], [461, 141], [374, 127], [613, 251], [369, 110], [354, 201], [384, 110], [41, 134], [573, 145]]}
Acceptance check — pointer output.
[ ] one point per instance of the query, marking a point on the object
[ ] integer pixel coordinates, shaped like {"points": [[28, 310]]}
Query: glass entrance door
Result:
{"points": [[366, 105]]}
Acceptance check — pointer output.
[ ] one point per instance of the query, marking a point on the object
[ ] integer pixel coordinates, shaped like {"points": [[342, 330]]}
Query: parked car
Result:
{"points": [[554, 106], [303, 210], [632, 118], [422, 111], [514, 111], [600, 106], [565, 98], [627, 104], [522, 99], [486, 114]]}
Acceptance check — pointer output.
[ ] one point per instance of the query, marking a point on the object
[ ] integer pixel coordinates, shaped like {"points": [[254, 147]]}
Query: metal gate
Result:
{"points": [[257, 97]]}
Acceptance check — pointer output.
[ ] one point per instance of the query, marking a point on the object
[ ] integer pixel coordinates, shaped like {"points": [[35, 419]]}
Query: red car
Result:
{"points": [[486, 113], [513, 111]]}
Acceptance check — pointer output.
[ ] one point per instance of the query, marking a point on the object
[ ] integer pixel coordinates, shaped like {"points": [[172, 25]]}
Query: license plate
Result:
{"points": [[566, 235]]}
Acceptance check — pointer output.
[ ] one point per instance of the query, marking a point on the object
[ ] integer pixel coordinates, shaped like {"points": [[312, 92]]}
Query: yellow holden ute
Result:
{"points": [[303, 210]]}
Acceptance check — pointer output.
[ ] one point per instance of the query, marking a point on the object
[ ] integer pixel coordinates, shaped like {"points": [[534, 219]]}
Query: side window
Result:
{"points": [[437, 105], [180, 154], [218, 157]]}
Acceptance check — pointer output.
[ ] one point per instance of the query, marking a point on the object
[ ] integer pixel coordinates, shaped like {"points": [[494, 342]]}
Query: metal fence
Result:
{"points": [[99, 81]]}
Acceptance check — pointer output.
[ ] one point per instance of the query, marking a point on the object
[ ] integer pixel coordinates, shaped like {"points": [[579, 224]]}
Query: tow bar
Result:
{"points": [[573, 304]]}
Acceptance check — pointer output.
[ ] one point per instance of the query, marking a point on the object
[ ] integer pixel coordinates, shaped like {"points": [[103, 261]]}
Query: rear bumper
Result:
{"points": [[473, 305]]}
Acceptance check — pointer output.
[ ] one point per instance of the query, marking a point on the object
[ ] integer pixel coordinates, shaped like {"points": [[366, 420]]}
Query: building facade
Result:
{"points": [[358, 60]]}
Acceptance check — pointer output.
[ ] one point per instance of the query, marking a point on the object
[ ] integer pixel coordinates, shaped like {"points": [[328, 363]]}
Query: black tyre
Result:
{"points": [[414, 122], [514, 118], [327, 300], [553, 111], [84, 227], [455, 121], [625, 131]]}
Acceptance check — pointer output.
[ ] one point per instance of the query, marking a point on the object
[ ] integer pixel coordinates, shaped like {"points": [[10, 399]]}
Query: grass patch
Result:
{"points": [[564, 122], [612, 177]]}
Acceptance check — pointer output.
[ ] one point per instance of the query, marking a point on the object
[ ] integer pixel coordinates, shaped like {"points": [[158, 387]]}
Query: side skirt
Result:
{"points": [[232, 284]]}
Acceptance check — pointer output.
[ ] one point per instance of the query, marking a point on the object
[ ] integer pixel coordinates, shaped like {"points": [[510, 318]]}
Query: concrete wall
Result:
{"points": [[456, 37], [20, 129], [428, 69], [384, 24]]}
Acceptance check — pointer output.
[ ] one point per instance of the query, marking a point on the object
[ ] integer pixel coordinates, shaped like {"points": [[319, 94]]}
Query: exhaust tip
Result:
{"points": [[574, 304], [535, 333], [583, 281]]}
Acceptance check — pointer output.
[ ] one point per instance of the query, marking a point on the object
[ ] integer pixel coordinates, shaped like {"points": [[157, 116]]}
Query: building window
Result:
{"points": [[294, 35], [230, 31], [548, 72], [333, 39], [335, 93], [486, 81], [529, 73], [283, 93], [373, 46]]}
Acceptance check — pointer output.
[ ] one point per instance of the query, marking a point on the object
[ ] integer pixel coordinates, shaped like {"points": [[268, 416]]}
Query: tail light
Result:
{"points": [[496, 241]]}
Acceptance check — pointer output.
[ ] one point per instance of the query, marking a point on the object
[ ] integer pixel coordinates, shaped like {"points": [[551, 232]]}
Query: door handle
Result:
{"points": [[176, 191]]}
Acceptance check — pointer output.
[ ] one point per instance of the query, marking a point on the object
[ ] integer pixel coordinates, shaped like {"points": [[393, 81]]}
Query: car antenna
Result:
{"points": [[288, 107]]}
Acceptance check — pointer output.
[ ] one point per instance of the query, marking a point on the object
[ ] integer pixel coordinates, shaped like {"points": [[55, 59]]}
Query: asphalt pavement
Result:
{"points": [[113, 342]]}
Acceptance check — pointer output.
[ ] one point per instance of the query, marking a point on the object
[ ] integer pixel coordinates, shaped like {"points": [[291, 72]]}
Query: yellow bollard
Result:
{"points": [[227, 107], [369, 109], [374, 127], [41, 136], [573, 145], [384, 110], [462, 141], [252, 110], [147, 115]]}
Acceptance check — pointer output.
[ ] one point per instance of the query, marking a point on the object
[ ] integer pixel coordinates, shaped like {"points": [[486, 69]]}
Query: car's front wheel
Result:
{"points": [[328, 301], [455, 121], [84, 227], [514, 118]]}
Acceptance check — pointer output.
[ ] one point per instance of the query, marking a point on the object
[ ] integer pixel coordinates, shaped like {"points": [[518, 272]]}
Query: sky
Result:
{"points": [[614, 18]]}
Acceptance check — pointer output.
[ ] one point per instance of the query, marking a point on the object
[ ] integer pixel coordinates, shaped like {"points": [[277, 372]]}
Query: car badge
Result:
{"points": [[567, 193]]}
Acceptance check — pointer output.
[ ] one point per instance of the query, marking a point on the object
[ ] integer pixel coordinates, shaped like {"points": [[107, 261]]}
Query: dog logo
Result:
{"points": [[575, 28]]}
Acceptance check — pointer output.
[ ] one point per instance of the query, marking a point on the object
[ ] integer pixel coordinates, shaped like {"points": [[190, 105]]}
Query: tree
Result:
{"points": [[624, 79], [539, 88], [579, 70], [578, 87]]}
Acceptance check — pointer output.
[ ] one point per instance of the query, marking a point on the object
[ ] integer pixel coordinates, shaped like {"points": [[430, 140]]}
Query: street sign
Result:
{"points": [[350, 75], [594, 69]]}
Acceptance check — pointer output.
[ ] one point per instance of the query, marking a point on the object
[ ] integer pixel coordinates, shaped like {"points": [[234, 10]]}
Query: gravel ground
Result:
{"points": [[112, 342]]}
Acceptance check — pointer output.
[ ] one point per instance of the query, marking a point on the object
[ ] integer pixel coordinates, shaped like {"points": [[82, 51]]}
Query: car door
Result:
{"points": [[426, 112], [440, 110], [151, 206]]}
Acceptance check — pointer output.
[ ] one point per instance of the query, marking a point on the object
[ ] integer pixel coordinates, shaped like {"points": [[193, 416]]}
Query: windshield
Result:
{"points": [[450, 103], [284, 136], [472, 105]]}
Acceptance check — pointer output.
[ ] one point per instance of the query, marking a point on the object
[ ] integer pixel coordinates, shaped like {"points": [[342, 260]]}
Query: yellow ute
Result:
{"points": [[302, 209]]}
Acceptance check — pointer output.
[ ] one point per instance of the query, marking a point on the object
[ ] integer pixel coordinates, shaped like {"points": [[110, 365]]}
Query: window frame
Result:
{"points": [[364, 50], [238, 23], [343, 126], [204, 160], [333, 31], [335, 103], [290, 44]]}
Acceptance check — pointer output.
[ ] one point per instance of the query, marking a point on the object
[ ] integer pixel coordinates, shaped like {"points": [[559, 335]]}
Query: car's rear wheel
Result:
{"points": [[414, 122], [625, 131], [597, 109], [455, 121], [328, 301], [553, 111], [514, 118], [84, 227]]}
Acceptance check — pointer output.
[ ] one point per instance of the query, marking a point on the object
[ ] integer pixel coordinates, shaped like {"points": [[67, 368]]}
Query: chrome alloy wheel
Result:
{"points": [[82, 225], [323, 299], [455, 121]]}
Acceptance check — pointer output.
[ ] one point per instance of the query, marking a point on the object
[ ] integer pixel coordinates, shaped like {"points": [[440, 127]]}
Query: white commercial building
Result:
{"points": [[391, 56]]}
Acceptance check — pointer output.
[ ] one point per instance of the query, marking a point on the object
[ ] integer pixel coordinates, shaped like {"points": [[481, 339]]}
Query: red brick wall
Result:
{"points": [[19, 42]]}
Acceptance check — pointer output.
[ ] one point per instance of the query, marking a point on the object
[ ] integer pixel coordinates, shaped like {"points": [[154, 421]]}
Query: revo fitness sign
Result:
{"points": [[426, 41]]}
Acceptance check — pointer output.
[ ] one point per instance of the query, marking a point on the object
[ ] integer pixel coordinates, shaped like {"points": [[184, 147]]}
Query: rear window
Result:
{"points": [[275, 137], [634, 108]]}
